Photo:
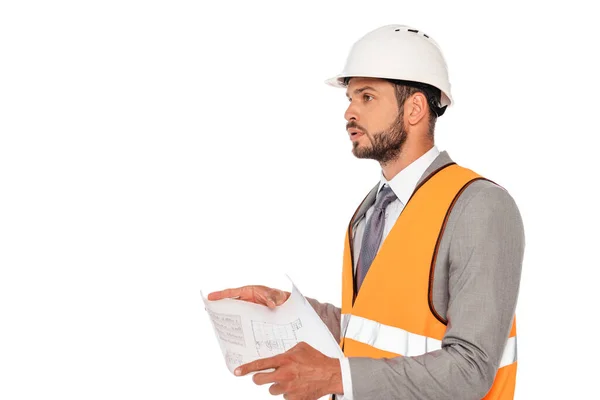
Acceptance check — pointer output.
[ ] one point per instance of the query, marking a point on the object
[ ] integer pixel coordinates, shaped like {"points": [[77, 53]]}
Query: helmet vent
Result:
{"points": [[414, 31]]}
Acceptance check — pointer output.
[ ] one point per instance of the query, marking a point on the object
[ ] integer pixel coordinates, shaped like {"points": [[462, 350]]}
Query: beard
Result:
{"points": [[385, 145]]}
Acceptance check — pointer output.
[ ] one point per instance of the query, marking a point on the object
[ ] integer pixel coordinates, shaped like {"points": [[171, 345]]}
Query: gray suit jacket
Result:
{"points": [[475, 288]]}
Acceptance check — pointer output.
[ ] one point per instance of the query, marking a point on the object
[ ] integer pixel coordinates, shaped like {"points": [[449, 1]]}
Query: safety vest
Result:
{"points": [[393, 313]]}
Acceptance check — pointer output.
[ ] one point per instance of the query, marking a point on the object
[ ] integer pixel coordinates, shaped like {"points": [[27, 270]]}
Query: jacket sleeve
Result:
{"points": [[485, 255], [330, 315]]}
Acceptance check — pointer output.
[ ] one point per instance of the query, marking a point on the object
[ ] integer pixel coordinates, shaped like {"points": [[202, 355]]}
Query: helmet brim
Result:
{"points": [[337, 81]]}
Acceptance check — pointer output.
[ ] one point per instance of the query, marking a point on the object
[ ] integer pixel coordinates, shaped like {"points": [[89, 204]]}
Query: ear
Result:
{"points": [[417, 108]]}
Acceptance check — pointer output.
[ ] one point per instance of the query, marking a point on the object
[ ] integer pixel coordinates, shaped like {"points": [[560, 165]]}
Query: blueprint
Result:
{"points": [[247, 331]]}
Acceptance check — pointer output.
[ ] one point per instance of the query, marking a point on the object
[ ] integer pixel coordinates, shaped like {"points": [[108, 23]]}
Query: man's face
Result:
{"points": [[375, 124]]}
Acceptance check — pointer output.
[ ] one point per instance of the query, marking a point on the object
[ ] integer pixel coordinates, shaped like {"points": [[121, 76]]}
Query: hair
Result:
{"points": [[405, 89]]}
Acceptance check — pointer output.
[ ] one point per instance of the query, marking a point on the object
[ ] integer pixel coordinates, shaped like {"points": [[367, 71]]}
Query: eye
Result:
{"points": [[367, 97]]}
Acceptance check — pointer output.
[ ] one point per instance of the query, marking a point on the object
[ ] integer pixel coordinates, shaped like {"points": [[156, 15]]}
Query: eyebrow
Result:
{"points": [[362, 89]]}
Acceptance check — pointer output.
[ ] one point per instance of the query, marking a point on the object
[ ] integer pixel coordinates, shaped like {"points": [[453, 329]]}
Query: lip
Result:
{"points": [[355, 133]]}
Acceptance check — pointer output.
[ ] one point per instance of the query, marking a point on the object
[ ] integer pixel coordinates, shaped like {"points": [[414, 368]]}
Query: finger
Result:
{"points": [[265, 377], [225, 294], [259, 365], [276, 389]]}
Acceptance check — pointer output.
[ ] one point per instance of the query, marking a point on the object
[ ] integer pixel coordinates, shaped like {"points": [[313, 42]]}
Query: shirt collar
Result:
{"points": [[405, 181]]}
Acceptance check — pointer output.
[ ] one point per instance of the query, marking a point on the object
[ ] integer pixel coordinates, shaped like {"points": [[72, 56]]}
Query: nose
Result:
{"points": [[351, 112]]}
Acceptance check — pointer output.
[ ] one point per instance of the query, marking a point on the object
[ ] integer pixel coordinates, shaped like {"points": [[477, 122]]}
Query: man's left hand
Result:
{"points": [[301, 373]]}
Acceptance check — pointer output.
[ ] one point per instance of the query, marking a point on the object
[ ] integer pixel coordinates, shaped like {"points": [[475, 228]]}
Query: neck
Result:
{"points": [[409, 153]]}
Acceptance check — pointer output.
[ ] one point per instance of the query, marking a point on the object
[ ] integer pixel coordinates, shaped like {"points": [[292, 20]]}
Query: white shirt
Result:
{"points": [[403, 186]]}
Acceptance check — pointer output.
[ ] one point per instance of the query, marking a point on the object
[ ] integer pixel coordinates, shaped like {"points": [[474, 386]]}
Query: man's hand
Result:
{"points": [[301, 373], [254, 294]]}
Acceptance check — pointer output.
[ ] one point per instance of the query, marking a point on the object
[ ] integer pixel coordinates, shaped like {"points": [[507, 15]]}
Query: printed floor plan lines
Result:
{"points": [[246, 332], [273, 339], [233, 360], [229, 327]]}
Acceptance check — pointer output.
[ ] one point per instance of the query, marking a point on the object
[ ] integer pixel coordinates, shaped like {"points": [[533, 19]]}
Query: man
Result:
{"points": [[434, 316]]}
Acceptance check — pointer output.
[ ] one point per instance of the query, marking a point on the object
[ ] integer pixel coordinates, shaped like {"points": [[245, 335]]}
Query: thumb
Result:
{"points": [[275, 298], [266, 297], [279, 296]]}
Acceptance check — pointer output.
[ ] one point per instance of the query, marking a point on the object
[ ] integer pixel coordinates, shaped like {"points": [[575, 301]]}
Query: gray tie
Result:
{"points": [[373, 234]]}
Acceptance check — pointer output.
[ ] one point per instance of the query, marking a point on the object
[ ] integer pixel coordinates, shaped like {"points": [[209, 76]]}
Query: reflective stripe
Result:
{"points": [[399, 341], [510, 352], [390, 338], [344, 323]]}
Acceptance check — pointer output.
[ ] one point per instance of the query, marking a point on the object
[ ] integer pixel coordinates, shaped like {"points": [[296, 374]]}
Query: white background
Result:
{"points": [[152, 149]]}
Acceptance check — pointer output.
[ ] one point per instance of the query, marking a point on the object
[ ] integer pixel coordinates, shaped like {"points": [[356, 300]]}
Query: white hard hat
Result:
{"points": [[397, 52]]}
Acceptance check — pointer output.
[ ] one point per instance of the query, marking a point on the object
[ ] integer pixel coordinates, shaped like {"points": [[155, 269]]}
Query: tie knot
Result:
{"points": [[385, 197]]}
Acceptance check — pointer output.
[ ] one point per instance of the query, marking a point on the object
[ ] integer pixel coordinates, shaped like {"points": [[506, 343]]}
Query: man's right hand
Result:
{"points": [[255, 294]]}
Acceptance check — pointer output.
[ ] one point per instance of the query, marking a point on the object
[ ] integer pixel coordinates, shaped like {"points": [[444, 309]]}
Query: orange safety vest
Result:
{"points": [[393, 313]]}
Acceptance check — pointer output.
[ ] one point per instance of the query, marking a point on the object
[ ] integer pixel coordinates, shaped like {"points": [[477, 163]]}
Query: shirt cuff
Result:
{"points": [[346, 379]]}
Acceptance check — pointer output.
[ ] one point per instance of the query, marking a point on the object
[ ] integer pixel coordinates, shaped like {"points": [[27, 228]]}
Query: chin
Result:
{"points": [[360, 153]]}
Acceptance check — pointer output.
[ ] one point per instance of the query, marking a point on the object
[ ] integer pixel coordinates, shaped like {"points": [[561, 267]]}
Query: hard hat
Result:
{"points": [[397, 52]]}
